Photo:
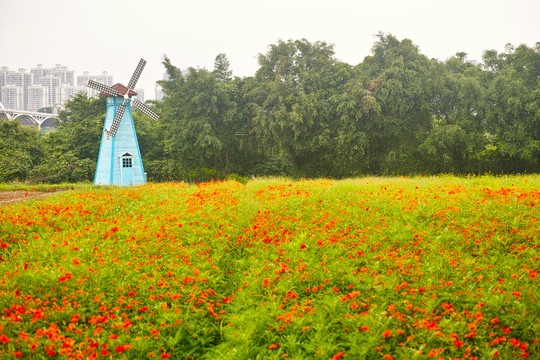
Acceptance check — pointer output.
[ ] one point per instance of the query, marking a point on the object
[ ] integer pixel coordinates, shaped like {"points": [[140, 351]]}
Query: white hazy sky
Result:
{"points": [[112, 35]]}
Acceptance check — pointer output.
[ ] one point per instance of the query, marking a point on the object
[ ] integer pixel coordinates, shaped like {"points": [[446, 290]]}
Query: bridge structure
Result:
{"points": [[37, 117]]}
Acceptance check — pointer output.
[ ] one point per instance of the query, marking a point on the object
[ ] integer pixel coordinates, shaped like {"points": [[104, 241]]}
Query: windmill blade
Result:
{"points": [[145, 109], [103, 88], [117, 118], [136, 74]]}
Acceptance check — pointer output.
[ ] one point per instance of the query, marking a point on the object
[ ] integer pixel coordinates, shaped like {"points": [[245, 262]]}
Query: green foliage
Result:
{"points": [[19, 150], [70, 153], [306, 114], [62, 167], [201, 122], [221, 68], [239, 178], [82, 125]]}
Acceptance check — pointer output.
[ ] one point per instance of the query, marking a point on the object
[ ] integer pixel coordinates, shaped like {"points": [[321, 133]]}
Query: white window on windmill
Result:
{"points": [[126, 168]]}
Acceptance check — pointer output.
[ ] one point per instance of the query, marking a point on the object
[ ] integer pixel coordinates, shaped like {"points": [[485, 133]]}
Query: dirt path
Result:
{"points": [[10, 197]]}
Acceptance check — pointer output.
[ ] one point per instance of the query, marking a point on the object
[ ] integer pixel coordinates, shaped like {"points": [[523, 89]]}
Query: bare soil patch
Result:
{"points": [[11, 197]]}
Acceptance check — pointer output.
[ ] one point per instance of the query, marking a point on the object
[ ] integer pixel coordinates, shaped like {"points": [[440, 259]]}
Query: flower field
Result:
{"points": [[378, 268]]}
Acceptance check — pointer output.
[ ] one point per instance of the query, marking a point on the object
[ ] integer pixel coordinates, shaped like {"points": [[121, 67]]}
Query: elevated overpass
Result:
{"points": [[37, 117]]}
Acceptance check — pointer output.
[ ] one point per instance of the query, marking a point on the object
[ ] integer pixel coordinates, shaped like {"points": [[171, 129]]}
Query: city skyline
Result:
{"points": [[42, 87]]}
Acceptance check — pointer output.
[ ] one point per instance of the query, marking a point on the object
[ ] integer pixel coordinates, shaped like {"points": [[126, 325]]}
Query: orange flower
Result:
{"points": [[387, 333], [4, 339]]}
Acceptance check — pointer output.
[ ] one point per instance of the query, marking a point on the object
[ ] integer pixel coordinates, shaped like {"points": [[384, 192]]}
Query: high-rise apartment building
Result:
{"points": [[159, 89], [64, 92], [3, 71], [37, 73], [38, 97], [140, 95], [51, 82], [104, 78], [65, 75], [12, 96]]}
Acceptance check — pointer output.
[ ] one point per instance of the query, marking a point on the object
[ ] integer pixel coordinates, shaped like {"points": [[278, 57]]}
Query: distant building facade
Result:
{"points": [[159, 89], [140, 95], [104, 78], [45, 87]]}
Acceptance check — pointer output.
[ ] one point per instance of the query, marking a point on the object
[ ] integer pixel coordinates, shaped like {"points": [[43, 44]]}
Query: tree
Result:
{"points": [[200, 120], [82, 125], [358, 129], [292, 118], [20, 150], [457, 103], [395, 75], [71, 151], [513, 112], [221, 68]]}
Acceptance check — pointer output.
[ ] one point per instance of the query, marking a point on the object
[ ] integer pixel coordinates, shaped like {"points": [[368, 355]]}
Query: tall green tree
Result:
{"points": [[200, 120], [458, 105], [513, 112], [222, 68], [20, 150], [395, 75], [292, 115], [82, 125]]}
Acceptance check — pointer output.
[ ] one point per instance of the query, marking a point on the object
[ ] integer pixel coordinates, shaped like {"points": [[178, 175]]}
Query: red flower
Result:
{"points": [[4, 339], [338, 356], [67, 276], [120, 349], [386, 333]]}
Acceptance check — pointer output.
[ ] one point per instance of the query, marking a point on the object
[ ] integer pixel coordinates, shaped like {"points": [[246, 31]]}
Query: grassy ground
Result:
{"points": [[43, 187], [360, 268]]}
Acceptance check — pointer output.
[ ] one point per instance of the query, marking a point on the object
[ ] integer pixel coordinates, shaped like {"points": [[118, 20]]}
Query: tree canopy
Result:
{"points": [[305, 113]]}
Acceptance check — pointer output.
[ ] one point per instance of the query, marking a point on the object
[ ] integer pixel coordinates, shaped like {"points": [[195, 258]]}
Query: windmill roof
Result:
{"points": [[122, 90]]}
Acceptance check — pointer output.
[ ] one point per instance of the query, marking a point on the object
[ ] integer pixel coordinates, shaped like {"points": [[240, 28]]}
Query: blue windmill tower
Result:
{"points": [[119, 160]]}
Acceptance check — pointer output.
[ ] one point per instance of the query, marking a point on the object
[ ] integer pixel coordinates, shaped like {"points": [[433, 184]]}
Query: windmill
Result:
{"points": [[119, 160]]}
